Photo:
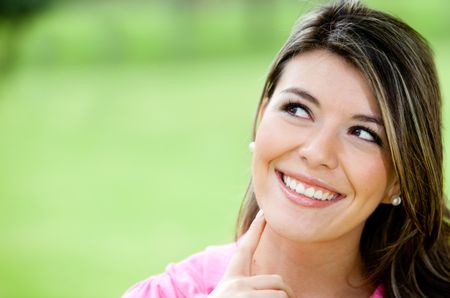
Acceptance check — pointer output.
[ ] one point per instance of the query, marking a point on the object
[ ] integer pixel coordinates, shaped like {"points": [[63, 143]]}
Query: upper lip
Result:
{"points": [[310, 181]]}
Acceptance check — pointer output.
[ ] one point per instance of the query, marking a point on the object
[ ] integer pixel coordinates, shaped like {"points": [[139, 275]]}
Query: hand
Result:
{"points": [[238, 281]]}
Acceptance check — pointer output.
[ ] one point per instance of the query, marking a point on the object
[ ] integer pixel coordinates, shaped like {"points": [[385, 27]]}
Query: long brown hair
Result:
{"points": [[405, 248]]}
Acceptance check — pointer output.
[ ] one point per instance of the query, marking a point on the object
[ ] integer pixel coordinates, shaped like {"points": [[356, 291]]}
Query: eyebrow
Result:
{"points": [[366, 118], [306, 95], [303, 94]]}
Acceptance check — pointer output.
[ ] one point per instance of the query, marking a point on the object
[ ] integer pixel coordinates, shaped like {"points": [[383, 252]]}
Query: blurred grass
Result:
{"points": [[109, 173], [124, 138]]}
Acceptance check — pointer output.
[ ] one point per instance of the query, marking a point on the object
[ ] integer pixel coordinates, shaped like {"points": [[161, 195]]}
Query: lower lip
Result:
{"points": [[302, 200]]}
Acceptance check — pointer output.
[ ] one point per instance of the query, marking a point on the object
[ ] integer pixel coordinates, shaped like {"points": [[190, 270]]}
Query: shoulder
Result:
{"points": [[195, 276]]}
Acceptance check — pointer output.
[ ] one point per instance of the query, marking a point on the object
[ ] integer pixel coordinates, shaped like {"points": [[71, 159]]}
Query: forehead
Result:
{"points": [[330, 78]]}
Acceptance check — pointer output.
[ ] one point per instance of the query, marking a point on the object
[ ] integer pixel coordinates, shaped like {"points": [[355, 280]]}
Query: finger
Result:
{"points": [[240, 263], [270, 282], [250, 240], [271, 294]]}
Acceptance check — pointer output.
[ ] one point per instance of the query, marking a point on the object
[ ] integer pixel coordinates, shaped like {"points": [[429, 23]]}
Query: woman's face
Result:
{"points": [[321, 165]]}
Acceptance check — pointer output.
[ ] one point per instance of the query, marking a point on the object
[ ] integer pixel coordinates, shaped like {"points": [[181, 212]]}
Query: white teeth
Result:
{"points": [[291, 183], [300, 188], [318, 194], [307, 191]]}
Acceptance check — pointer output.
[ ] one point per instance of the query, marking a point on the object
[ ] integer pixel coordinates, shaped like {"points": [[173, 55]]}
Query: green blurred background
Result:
{"points": [[124, 129]]}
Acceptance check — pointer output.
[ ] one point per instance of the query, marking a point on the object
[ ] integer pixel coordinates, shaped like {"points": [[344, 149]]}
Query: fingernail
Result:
{"points": [[259, 214]]}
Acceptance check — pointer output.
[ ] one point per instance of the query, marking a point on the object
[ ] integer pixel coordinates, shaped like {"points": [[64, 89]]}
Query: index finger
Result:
{"points": [[241, 261]]}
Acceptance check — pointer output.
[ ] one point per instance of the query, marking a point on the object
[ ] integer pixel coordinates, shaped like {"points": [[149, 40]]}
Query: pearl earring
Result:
{"points": [[251, 147], [396, 200]]}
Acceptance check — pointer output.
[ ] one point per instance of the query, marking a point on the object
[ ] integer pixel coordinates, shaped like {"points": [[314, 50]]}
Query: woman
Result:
{"points": [[347, 173]]}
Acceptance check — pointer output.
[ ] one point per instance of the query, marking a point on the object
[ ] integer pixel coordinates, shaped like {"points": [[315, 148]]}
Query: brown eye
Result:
{"points": [[366, 134], [297, 110]]}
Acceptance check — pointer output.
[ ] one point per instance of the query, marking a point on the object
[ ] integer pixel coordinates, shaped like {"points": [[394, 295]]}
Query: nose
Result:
{"points": [[319, 149]]}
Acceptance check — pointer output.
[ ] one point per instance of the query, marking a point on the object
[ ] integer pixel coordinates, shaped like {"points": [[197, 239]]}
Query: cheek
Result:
{"points": [[274, 138], [269, 139], [369, 175], [270, 144]]}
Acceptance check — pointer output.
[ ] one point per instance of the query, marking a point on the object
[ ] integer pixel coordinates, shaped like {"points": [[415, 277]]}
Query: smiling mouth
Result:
{"points": [[309, 191]]}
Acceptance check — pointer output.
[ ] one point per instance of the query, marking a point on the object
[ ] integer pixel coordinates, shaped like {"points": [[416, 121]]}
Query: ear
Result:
{"points": [[392, 190]]}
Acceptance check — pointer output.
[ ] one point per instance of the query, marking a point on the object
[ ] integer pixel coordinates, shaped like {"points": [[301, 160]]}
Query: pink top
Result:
{"points": [[194, 277]]}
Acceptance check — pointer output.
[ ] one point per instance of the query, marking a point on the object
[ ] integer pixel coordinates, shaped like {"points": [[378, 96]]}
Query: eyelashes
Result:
{"points": [[361, 130], [299, 110]]}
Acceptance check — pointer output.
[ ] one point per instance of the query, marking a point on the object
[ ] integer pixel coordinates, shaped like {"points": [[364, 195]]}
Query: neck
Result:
{"points": [[324, 269]]}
